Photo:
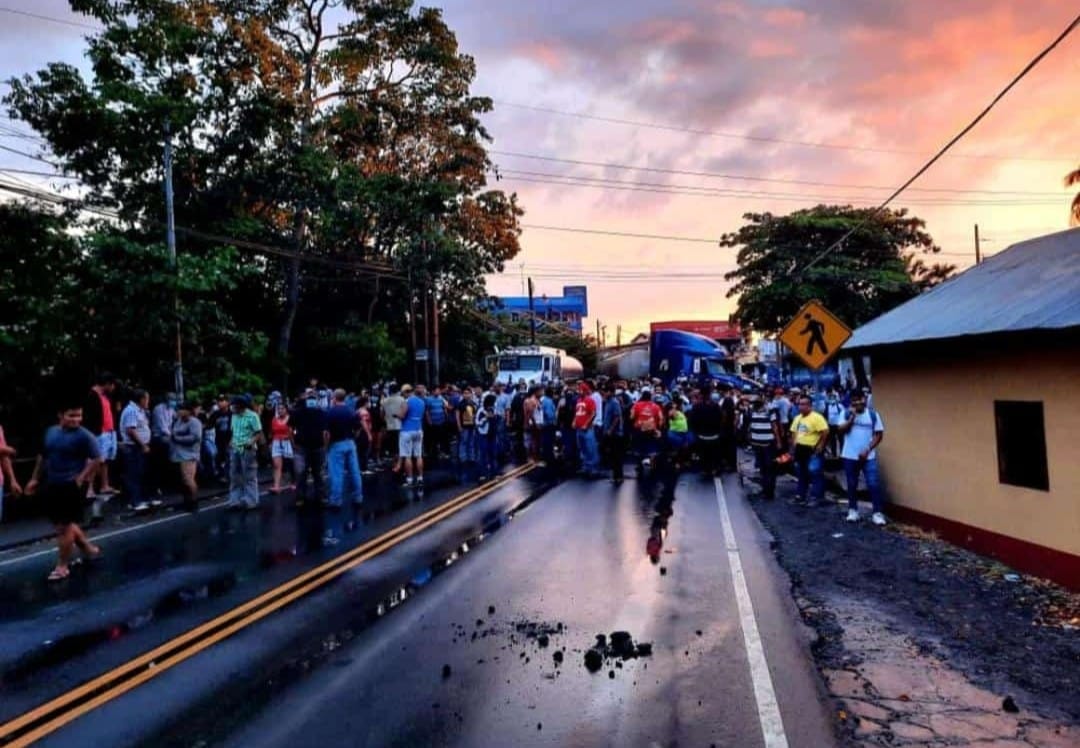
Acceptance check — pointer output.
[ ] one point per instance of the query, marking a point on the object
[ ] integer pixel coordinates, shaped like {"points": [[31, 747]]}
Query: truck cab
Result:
{"points": [[533, 364]]}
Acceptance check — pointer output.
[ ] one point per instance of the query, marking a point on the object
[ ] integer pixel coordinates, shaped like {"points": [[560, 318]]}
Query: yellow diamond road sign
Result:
{"points": [[815, 335]]}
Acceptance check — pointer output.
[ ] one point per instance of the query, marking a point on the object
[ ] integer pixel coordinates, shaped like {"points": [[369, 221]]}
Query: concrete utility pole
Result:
{"points": [[170, 243], [532, 316]]}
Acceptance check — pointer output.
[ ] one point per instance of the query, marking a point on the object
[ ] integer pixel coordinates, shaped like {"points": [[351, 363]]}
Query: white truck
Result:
{"points": [[535, 364]]}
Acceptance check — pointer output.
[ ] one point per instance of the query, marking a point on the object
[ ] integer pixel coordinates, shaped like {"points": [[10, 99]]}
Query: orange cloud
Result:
{"points": [[768, 48], [785, 17]]}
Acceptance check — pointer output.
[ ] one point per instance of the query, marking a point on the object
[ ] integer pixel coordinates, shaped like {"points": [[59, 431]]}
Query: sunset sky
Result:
{"points": [[743, 88]]}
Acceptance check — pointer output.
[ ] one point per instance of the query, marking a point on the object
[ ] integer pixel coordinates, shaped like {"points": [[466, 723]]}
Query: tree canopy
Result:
{"points": [[879, 267]]}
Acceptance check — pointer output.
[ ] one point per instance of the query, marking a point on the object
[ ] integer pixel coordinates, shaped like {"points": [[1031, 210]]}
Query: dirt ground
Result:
{"points": [[923, 643]]}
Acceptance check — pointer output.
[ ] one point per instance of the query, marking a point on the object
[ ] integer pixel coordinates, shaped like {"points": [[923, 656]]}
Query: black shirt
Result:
{"points": [[309, 424], [342, 423]]}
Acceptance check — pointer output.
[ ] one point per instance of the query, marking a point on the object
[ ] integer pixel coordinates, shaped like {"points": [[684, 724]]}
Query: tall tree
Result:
{"points": [[876, 269], [1072, 179], [335, 134]]}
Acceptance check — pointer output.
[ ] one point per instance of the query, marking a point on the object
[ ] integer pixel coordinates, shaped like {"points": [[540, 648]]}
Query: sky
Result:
{"points": [[795, 102]]}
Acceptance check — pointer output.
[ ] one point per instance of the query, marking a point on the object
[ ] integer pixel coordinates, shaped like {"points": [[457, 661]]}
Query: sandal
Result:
{"points": [[59, 573]]}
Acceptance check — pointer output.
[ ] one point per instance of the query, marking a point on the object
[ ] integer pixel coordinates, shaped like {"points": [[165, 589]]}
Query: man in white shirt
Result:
{"points": [[863, 431]]}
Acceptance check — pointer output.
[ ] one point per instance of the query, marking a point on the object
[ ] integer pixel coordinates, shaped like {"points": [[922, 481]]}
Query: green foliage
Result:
{"points": [[876, 269]]}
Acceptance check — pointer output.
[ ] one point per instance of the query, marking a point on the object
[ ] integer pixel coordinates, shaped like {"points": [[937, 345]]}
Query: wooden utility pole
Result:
{"points": [[435, 335], [170, 243], [532, 315], [978, 251], [412, 329]]}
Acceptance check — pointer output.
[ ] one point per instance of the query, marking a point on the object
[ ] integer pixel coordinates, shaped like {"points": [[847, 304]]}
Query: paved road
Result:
{"points": [[360, 659]]}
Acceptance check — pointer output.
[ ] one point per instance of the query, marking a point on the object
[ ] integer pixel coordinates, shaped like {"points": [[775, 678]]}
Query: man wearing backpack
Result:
{"points": [[864, 430]]}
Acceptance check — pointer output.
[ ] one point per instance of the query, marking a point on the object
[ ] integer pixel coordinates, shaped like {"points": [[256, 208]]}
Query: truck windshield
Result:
{"points": [[714, 367], [520, 363]]}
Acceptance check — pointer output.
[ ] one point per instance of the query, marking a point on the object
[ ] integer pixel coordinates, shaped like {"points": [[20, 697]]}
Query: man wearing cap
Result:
{"points": [[247, 435]]}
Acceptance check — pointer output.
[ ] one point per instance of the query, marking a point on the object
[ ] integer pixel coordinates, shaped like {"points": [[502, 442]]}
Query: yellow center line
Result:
{"points": [[289, 591]]}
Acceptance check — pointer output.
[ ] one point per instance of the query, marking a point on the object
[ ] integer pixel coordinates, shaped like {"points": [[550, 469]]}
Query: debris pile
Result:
{"points": [[615, 648]]}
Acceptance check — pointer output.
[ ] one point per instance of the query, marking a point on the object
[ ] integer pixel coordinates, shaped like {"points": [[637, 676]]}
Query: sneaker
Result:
{"points": [[410, 481], [420, 480], [853, 515], [142, 506], [155, 503], [879, 519]]}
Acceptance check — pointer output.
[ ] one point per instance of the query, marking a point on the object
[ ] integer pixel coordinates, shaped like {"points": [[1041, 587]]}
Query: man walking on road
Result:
{"points": [[67, 462], [342, 462], [767, 444], [135, 441], [312, 440], [391, 407], [584, 426], [864, 431], [412, 434], [247, 435], [810, 432]]}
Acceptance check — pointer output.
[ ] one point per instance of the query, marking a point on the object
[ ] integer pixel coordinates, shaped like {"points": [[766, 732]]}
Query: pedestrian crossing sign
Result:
{"points": [[815, 335]]}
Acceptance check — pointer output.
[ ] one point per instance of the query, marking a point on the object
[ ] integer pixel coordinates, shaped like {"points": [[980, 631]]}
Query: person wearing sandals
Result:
{"points": [[185, 442], [68, 460], [281, 444]]}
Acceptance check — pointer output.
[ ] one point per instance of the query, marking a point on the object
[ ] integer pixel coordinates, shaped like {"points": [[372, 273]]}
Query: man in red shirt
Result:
{"points": [[584, 421], [98, 418], [648, 421]]}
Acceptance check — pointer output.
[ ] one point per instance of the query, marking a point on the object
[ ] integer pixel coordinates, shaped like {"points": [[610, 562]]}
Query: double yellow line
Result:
{"points": [[51, 716]]}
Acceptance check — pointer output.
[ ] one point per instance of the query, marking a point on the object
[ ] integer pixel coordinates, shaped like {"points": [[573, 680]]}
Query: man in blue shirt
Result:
{"points": [[550, 427], [412, 434], [614, 441], [342, 461], [437, 434]]}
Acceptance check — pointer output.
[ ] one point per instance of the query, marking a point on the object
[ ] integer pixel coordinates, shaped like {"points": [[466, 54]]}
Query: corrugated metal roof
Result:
{"points": [[1033, 285]]}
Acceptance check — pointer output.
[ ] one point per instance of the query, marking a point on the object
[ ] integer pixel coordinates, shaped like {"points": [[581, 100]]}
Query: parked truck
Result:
{"points": [[673, 355], [533, 364]]}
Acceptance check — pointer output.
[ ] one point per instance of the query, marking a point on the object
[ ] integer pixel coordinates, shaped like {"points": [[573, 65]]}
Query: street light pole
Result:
{"points": [[170, 243]]}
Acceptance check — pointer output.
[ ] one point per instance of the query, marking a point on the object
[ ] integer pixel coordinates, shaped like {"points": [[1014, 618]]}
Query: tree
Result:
{"points": [[326, 149], [1072, 179], [873, 271]]}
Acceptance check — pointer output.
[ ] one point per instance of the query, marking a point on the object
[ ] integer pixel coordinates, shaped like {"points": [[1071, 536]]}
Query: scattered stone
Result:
{"points": [[699, 632], [558, 657], [611, 674], [491, 610], [593, 661], [542, 640], [539, 726], [663, 571], [479, 622], [445, 671], [622, 644], [1009, 705], [601, 641], [644, 649]]}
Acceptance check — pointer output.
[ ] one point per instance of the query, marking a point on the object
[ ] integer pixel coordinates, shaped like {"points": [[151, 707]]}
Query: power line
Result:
{"points": [[721, 192], [31, 172], [51, 19], [956, 138], [696, 240], [24, 154], [761, 138], [751, 178]]}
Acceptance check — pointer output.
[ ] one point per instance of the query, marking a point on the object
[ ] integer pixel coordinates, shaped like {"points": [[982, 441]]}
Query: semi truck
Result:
{"points": [[673, 355], [533, 364]]}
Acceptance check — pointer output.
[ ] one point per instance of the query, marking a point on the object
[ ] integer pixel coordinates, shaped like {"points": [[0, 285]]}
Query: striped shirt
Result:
{"points": [[761, 427]]}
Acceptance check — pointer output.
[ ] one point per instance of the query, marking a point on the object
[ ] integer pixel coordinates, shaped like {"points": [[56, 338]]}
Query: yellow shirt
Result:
{"points": [[809, 428]]}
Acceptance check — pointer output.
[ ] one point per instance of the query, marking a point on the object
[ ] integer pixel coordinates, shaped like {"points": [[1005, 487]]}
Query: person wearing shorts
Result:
{"points": [[412, 434], [67, 462], [98, 418], [281, 444]]}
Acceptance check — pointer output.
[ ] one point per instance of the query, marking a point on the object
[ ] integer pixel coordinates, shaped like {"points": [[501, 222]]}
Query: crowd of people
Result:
{"points": [[323, 442]]}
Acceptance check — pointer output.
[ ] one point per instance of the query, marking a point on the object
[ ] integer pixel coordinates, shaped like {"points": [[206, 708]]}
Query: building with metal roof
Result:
{"points": [[977, 383]]}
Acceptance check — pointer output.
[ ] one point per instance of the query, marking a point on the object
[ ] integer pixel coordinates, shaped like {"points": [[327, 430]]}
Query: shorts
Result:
{"points": [[281, 448], [65, 503], [411, 444], [107, 445]]}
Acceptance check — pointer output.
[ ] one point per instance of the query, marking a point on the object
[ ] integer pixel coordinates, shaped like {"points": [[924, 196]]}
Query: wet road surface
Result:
{"points": [[447, 637]]}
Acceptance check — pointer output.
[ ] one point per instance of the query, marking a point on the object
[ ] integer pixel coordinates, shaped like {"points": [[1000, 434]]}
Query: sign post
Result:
{"points": [[815, 335]]}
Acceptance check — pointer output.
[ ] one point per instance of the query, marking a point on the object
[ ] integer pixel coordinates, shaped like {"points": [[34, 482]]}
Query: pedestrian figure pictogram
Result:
{"points": [[815, 335], [816, 330]]}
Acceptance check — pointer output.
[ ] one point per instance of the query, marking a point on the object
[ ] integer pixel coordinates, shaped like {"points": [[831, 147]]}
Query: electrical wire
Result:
{"points": [[760, 138], [955, 139], [52, 19], [751, 178]]}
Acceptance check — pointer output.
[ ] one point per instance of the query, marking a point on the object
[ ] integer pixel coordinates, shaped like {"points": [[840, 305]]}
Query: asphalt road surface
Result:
{"points": [[461, 618]]}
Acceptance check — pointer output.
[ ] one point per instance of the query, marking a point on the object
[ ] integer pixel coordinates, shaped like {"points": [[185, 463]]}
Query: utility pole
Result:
{"points": [[618, 336], [427, 336], [170, 243], [598, 333], [978, 252], [412, 329], [532, 315], [435, 334]]}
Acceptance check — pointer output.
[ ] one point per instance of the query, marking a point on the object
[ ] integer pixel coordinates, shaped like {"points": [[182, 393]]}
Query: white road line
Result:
{"points": [[114, 533], [772, 725]]}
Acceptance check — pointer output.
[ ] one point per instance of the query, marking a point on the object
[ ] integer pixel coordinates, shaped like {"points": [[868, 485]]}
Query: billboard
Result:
{"points": [[715, 329]]}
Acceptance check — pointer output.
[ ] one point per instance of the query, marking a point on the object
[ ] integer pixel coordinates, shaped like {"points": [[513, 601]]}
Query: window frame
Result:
{"points": [[1008, 417]]}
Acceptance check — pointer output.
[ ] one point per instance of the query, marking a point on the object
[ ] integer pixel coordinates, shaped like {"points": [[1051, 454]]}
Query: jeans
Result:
{"points": [[590, 457], [467, 444], [615, 446], [309, 460], [765, 457], [869, 468], [488, 453], [547, 444], [343, 467], [134, 473], [810, 469], [244, 478]]}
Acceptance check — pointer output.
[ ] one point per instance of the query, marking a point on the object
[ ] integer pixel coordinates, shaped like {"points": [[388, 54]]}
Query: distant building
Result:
{"points": [[566, 311], [978, 382]]}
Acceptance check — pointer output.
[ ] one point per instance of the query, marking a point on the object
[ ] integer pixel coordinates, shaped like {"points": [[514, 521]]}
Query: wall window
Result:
{"points": [[1021, 444]]}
